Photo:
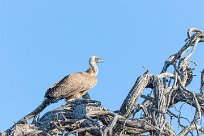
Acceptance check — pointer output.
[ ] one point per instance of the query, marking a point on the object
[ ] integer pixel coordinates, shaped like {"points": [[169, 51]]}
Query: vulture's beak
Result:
{"points": [[99, 60]]}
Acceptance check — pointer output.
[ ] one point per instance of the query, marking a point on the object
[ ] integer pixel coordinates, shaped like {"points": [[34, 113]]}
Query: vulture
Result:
{"points": [[69, 88]]}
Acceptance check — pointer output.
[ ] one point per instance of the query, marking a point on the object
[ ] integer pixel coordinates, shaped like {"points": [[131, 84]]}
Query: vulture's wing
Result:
{"points": [[72, 85]]}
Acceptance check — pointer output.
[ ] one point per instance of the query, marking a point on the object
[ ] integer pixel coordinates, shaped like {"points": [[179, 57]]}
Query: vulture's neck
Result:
{"points": [[93, 69]]}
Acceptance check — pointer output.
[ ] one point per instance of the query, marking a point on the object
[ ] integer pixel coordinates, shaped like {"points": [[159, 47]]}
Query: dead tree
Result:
{"points": [[147, 110]]}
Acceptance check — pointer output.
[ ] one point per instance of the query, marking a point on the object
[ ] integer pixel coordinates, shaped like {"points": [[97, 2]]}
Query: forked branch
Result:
{"points": [[144, 111]]}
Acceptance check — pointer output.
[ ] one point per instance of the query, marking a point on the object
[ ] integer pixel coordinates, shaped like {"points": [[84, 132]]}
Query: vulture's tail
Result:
{"points": [[40, 108]]}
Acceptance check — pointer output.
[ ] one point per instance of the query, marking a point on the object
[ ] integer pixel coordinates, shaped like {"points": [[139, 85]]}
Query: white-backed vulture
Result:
{"points": [[70, 87]]}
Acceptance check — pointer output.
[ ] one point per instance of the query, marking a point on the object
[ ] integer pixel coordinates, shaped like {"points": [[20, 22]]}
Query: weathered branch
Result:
{"points": [[87, 117], [185, 131], [202, 83], [135, 93]]}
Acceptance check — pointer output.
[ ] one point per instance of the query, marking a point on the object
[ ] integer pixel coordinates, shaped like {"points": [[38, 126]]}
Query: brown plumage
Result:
{"points": [[70, 87]]}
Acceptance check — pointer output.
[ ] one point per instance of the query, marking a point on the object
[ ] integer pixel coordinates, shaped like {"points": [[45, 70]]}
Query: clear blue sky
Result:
{"points": [[42, 41]]}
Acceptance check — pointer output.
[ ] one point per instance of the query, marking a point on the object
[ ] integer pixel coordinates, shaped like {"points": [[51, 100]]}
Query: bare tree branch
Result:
{"points": [[148, 108]]}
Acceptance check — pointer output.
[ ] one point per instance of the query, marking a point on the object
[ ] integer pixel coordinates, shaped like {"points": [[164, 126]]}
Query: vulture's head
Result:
{"points": [[95, 59]]}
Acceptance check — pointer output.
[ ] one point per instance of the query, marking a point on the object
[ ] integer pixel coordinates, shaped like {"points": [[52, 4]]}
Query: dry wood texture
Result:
{"points": [[166, 90]]}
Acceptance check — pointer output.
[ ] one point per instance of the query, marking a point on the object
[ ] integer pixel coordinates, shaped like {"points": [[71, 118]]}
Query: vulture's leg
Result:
{"points": [[86, 96]]}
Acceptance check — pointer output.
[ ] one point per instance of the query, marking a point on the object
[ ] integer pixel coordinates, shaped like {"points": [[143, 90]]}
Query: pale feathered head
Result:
{"points": [[95, 59]]}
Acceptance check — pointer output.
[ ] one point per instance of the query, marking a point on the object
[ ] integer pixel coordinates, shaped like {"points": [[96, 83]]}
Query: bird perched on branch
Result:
{"points": [[70, 87]]}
